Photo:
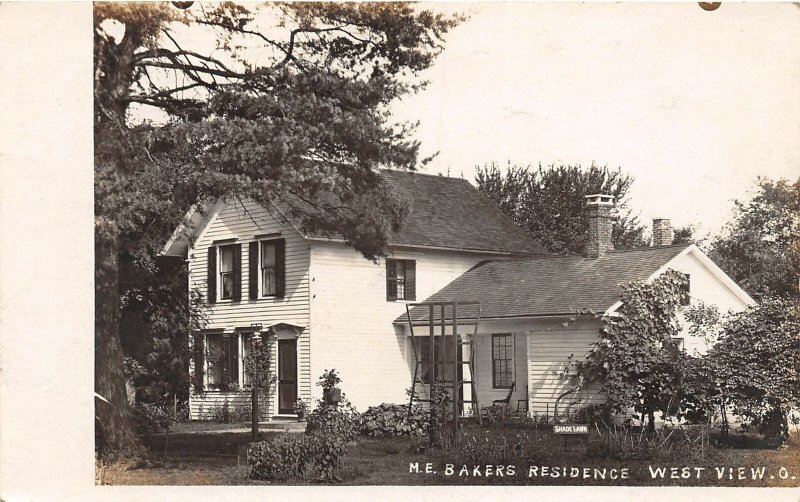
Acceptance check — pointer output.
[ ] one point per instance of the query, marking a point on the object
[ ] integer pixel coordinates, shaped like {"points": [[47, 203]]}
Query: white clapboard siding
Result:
{"points": [[549, 353], [352, 321], [707, 288], [483, 369], [243, 220]]}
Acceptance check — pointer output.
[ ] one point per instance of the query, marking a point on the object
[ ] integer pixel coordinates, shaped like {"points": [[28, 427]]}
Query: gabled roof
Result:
{"points": [[548, 285], [451, 213], [445, 213]]}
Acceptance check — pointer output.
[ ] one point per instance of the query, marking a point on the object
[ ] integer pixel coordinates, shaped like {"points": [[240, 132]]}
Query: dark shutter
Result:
{"points": [[391, 280], [253, 270], [212, 275], [199, 362], [411, 280], [237, 273], [231, 347], [280, 268]]}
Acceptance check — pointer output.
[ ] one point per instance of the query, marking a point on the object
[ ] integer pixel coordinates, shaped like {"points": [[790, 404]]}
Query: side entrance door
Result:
{"points": [[287, 376]]}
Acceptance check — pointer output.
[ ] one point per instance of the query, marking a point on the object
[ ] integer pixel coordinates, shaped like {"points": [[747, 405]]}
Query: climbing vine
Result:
{"points": [[636, 359]]}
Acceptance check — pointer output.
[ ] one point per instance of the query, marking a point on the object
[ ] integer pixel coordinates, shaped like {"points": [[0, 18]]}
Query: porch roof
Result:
{"points": [[546, 285]]}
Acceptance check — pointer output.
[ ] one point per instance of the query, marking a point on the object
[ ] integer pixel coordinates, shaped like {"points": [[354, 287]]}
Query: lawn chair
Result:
{"points": [[507, 400]]}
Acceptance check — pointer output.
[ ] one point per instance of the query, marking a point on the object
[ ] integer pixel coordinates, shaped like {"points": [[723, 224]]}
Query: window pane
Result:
{"points": [[222, 356], [268, 286], [232, 360], [267, 281], [226, 259], [226, 272], [267, 255], [214, 356], [502, 364], [401, 279], [227, 285]]}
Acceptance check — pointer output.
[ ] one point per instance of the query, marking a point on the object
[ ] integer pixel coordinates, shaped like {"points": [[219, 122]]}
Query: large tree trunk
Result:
{"points": [[115, 439]]}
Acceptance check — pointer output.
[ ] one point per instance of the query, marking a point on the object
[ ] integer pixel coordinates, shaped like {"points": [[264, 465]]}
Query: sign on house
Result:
{"points": [[571, 429]]}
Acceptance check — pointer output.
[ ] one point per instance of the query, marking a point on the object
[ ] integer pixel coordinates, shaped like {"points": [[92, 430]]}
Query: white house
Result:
{"points": [[325, 306]]}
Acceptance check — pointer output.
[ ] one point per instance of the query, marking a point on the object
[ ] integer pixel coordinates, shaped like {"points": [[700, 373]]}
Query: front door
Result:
{"points": [[287, 375]]}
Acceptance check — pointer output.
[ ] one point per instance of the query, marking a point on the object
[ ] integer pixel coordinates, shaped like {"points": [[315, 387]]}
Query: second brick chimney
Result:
{"points": [[599, 208], [662, 232]]}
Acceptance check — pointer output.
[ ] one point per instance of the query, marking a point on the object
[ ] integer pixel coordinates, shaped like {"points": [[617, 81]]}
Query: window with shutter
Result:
{"points": [[401, 280], [267, 268], [226, 272]]}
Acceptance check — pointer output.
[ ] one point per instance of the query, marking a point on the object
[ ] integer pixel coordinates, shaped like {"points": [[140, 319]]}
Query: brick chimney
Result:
{"points": [[662, 232], [598, 209]]}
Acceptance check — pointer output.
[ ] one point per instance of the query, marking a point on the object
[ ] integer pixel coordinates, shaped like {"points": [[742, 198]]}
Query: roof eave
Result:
{"points": [[434, 248], [492, 318]]}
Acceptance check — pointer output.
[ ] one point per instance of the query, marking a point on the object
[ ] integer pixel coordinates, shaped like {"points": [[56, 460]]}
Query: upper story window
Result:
{"points": [[401, 280], [224, 272], [267, 274], [268, 262]]}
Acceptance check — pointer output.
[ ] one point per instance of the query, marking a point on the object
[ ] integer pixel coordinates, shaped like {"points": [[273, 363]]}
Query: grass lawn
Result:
{"points": [[193, 458]]}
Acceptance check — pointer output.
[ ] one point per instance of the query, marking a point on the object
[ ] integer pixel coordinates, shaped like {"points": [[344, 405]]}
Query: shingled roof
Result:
{"points": [[451, 213], [445, 213], [547, 285]]}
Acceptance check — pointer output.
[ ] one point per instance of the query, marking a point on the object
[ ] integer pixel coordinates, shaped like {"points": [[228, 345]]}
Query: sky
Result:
{"points": [[694, 104]]}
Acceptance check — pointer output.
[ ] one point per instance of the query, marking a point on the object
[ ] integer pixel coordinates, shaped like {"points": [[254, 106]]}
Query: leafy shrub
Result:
{"points": [[323, 446], [281, 457], [389, 420], [150, 418], [342, 422], [290, 455]]}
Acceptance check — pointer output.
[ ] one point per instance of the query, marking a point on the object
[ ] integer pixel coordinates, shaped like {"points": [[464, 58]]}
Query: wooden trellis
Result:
{"points": [[457, 374]]}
